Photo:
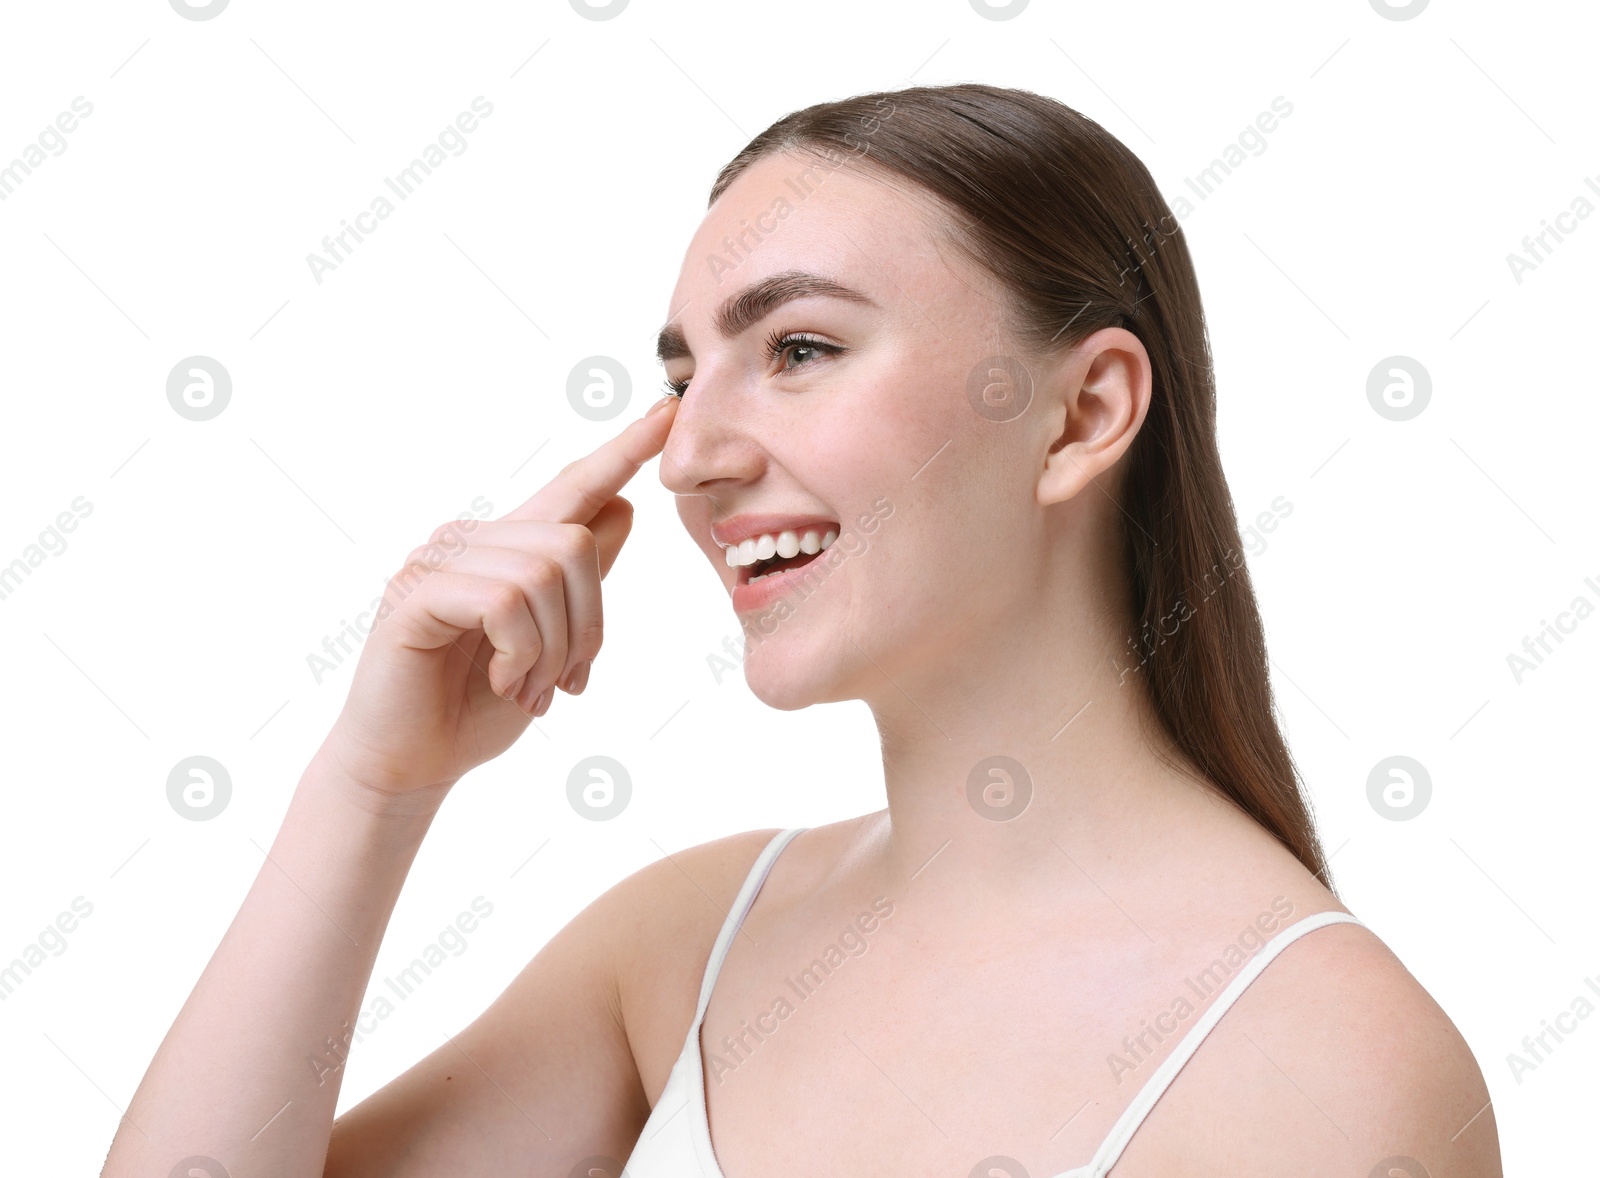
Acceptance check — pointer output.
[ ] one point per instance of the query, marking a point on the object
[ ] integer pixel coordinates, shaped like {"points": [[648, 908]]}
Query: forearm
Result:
{"points": [[247, 1074]]}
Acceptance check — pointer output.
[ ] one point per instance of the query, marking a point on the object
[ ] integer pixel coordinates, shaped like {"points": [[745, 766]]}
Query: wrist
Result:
{"points": [[327, 776]]}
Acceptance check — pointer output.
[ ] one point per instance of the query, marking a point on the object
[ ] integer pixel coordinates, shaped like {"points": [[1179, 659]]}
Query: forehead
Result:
{"points": [[821, 195], [793, 211]]}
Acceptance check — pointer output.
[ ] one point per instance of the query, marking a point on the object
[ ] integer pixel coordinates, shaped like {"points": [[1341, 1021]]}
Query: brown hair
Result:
{"points": [[1071, 223]]}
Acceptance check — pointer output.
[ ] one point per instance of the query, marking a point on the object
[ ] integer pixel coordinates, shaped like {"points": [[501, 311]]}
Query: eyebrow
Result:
{"points": [[755, 302]]}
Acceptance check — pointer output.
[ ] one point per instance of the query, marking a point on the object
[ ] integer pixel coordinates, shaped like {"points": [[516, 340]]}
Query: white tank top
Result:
{"points": [[676, 1140]]}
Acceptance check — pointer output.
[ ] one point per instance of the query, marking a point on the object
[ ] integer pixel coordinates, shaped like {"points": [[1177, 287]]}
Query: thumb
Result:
{"points": [[610, 526]]}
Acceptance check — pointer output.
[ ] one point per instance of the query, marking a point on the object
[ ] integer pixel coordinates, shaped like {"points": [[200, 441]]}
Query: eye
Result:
{"points": [[780, 342], [777, 344]]}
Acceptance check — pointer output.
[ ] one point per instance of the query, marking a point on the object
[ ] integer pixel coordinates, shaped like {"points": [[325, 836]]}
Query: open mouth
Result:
{"points": [[777, 564], [774, 564]]}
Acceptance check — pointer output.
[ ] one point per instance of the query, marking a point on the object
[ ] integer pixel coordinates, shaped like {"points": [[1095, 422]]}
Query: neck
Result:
{"points": [[1028, 762]]}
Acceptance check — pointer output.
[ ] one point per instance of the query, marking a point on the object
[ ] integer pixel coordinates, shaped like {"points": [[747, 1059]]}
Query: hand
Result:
{"points": [[474, 636]]}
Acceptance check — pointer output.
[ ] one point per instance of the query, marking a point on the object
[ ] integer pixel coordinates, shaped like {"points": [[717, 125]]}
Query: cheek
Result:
{"points": [[948, 546], [695, 512], [900, 605]]}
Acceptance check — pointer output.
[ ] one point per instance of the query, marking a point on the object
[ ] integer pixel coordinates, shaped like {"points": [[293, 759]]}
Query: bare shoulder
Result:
{"points": [[1336, 1060], [586, 1033], [1348, 1008], [664, 919]]}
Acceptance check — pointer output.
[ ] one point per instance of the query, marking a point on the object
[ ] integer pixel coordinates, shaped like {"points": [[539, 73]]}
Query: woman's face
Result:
{"points": [[878, 424]]}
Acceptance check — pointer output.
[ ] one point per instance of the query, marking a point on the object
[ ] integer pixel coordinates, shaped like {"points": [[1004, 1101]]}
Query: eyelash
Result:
{"points": [[776, 344]]}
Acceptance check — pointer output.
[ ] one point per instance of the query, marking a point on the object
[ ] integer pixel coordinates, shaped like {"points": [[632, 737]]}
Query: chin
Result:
{"points": [[789, 678]]}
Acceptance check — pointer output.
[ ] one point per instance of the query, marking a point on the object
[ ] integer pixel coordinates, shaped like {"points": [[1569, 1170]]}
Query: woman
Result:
{"points": [[953, 334]]}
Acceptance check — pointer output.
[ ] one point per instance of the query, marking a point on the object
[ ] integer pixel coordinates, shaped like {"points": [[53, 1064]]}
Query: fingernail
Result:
{"points": [[580, 677], [661, 404], [543, 705]]}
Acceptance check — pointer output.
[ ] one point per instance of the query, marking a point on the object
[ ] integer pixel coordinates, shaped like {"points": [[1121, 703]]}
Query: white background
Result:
{"points": [[429, 367]]}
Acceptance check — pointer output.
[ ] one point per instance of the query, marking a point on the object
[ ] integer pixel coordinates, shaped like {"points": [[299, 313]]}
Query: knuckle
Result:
{"points": [[530, 651], [505, 598], [579, 542], [427, 556], [447, 534], [407, 578], [588, 501], [526, 568], [545, 573], [589, 637]]}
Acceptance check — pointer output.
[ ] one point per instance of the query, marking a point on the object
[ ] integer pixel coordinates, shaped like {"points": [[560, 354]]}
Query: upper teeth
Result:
{"points": [[785, 544]]}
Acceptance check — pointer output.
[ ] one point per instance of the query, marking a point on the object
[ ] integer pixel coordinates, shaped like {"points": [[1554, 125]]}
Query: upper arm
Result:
{"points": [[527, 1087], [1416, 1090], [548, 1074]]}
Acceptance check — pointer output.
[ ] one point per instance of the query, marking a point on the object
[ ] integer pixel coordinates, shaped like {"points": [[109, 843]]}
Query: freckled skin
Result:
{"points": [[838, 434]]}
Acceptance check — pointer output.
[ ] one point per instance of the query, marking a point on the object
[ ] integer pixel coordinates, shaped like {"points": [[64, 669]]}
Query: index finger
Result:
{"points": [[586, 485]]}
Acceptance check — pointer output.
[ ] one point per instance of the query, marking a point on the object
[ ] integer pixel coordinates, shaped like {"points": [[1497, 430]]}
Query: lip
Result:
{"points": [[748, 597], [739, 528]]}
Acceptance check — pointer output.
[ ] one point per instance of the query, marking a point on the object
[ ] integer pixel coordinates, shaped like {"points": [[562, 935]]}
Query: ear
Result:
{"points": [[1095, 397]]}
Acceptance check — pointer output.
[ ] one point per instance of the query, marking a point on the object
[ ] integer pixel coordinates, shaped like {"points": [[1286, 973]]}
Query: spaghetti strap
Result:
{"points": [[736, 915], [1117, 1140], [676, 1139]]}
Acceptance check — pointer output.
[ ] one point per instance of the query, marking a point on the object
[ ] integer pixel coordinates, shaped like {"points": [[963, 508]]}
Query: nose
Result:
{"points": [[711, 444]]}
